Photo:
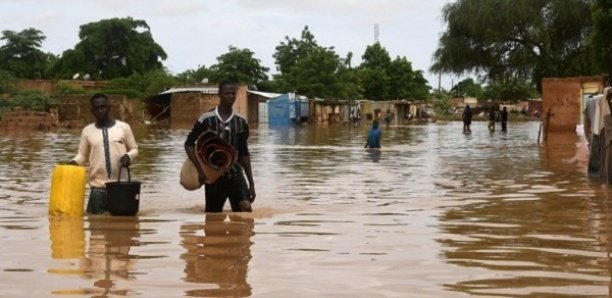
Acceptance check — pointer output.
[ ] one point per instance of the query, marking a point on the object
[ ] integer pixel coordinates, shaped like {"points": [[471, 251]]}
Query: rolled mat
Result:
{"points": [[214, 155]]}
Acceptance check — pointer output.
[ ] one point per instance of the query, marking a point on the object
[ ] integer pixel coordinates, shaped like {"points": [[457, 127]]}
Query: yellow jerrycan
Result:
{"points": [[67, 190]]}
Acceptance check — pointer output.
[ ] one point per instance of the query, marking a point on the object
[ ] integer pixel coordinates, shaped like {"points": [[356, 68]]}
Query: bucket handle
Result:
{"points": [[128, 171]]}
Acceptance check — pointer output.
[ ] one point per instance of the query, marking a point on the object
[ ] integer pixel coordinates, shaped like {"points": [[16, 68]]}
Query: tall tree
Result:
{"points": [[111, 48], [21, 54], [198, 75], [601, 37], [292, 50], [467, 87], [240, 65], [373, 71], [313, 70], [510, 39], [404, 82]]}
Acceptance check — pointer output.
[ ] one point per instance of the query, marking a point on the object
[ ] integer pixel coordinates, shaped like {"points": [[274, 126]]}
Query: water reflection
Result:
{"points": [[107, 258], [67, 237], [530, 234], [219, 257]]}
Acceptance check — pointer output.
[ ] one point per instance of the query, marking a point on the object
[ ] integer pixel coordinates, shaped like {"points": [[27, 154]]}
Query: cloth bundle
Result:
{"points": [[215, 156]]}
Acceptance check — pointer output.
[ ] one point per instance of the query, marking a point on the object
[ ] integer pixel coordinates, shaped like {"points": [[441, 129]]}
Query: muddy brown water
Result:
{"points": [[435, 213]]}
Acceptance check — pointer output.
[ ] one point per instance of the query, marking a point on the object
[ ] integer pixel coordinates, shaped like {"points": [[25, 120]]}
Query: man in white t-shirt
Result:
{"points": [[107, 145]]}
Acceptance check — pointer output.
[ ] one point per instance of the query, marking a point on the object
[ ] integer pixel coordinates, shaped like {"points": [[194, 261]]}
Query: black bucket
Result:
{"points": [[123, 197]]}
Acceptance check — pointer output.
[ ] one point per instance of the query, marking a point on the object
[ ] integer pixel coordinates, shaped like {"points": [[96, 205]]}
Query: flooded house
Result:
{"points": [[563, 101], [183, 105], [288, 108]]}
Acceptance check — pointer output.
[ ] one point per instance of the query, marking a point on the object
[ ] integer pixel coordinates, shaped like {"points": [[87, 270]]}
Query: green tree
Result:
{"points": [[292, 50], [384, 79], [404, 82], [508, 39], [313, 70], [240, 65], [117, 47], [195, 76], [467, 87], [601, 36], [21, 54], [141, 85], [7, 82], [510, 90], [374, 72]]}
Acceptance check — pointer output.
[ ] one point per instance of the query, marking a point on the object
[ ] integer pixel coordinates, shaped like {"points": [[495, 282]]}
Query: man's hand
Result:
{"points": [[252, 194], [202, 178], [125, 160]]}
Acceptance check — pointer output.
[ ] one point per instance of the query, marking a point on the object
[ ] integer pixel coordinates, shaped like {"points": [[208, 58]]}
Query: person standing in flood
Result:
{"points": [[234, 129], [374, 136], [491, 125], [504, 119], [108, 145], [467, 119]]}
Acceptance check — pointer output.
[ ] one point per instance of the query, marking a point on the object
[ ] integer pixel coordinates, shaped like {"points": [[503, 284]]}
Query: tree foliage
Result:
{"points": [[21, 54], [467, 87], [240, 65], [385, 79], [141, 85], [313, 70], [509, 90], [601, 37], [195, 76], [111, 48], [509, 39]]}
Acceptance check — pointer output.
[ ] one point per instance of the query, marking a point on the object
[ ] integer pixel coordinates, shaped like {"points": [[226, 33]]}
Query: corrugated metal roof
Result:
{"points": [[205, 90], [264, 94]]}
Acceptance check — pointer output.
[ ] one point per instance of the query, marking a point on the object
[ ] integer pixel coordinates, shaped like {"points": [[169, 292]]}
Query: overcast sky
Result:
{"points": [[195, 32]]}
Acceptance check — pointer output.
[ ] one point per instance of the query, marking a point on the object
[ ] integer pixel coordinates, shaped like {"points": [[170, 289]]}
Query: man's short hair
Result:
{"points": [[98, 95], [225, 82]]}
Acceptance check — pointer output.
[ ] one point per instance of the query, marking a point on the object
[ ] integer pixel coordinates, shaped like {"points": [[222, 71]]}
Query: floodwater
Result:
{"points": [[435, 213]]}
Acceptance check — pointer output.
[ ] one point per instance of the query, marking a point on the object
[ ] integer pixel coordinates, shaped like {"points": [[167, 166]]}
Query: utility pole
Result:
{"points": [[376, 33]]}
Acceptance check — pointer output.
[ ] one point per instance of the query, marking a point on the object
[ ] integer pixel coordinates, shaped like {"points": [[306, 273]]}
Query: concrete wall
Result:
{"points": [[563, 98]]}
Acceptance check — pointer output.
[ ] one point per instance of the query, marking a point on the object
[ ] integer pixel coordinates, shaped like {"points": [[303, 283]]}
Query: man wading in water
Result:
{"points": [[107, 144], [235, 130]]}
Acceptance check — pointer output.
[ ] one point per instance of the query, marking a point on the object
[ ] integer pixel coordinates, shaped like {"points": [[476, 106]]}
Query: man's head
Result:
{"points": [[227, 92], [375, 124], [100, 107], [504, 109]]}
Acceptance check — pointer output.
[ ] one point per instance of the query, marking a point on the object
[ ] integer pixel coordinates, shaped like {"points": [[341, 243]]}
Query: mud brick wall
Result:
{"points": [[48, 86], [75, 110], [186, 107], [26, 120], [562, 96]]}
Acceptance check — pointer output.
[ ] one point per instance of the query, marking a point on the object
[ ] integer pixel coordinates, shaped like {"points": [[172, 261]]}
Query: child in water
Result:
{"points": [[374, 136]]}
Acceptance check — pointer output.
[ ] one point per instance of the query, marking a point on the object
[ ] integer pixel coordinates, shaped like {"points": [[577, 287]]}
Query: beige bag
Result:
{"points": [[214, 155], [189, 176]]}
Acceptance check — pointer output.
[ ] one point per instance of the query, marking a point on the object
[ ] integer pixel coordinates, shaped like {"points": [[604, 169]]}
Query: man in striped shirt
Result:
{"points": [[235, 130]]}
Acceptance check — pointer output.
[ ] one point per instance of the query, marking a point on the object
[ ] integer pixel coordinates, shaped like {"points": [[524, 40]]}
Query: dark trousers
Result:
{"points": [[233, 187], [504, 128], [97, 201]]}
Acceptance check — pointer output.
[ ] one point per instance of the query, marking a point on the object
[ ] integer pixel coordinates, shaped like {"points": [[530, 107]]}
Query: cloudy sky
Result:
{"points": [[195, 32]]}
